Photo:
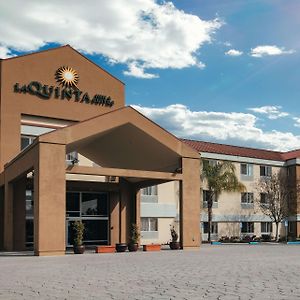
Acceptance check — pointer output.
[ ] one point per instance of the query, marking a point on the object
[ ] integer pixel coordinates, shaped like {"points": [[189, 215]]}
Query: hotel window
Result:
{"points": [[72, 158], [26, 140], [214, 227], [149, 224], [247, 227], [246, 169], [150, 190], [263, 198], [247, 198], [266, 227], [266, 171]]}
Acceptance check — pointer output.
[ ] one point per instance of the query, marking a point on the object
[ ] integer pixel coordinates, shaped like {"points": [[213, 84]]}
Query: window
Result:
{"points": [[149, 224], [214, 227], [263, 198], [247, 227], [206, 195], [246, 169], [72, 158], [150, 190], [247, 198], [266, 227], [266, 171], [26, 140], [29, 203]]}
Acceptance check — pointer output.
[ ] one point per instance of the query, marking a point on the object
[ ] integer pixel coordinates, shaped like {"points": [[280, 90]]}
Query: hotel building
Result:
{"points": [[71, 150], [234, 214]]}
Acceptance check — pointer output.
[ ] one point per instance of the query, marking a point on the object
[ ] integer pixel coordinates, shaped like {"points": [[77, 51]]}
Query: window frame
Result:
{"points": [[246, 195], [265, 171], [266, 224], [214, 227], [249, 169], [148, 219], [248, 225]]}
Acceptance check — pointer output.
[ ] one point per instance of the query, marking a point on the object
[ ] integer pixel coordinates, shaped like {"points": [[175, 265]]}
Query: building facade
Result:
{"points": [[234, 214], [71, 150]]}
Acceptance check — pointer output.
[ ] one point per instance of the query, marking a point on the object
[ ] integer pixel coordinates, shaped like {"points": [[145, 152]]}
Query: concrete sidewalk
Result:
{"points": [[214, 272]]}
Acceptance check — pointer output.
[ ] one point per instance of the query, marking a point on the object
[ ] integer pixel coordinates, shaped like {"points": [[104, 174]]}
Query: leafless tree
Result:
{"points": [[274, 198]]}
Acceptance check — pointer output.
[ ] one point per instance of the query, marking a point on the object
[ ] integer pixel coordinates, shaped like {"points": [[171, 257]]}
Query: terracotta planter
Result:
{"points": [[105, 249], [121, 247], [133, 247], [152, 247], [78, 249], [174, 245]]}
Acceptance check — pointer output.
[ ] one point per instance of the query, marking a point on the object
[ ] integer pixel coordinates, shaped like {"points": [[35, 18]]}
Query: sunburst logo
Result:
{"points": [[67, 76]]}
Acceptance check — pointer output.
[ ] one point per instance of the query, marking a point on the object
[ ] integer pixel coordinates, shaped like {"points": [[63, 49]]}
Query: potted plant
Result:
{"points": [[121, 247], [134, 238], [78, 229], [174, 244]]}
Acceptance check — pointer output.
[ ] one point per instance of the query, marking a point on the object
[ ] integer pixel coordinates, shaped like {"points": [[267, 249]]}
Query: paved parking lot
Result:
{"points": [[214, 272]]}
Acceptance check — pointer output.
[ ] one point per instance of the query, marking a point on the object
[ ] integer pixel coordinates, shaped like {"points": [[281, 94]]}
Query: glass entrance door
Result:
{"points": [[92, 209]]}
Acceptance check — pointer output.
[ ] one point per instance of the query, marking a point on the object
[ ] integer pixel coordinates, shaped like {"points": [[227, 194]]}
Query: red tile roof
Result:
{"points": [[201, 146]]}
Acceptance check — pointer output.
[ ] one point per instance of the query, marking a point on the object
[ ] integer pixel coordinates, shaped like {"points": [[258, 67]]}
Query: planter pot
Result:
{"points": [[174, 245], [152, 247], [122, 247], [78, 249], [133, 247], [105, 249]]}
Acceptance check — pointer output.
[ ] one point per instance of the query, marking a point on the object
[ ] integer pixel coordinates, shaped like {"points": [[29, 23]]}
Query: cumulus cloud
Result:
{"points": [[234, 52], [297, 122], [138, 71], [234, 128], [268, 50], [272, 112], [5, 52], [142, 34]]}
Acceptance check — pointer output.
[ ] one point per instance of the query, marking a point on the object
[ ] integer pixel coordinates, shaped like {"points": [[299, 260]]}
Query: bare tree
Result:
{"points": [[275, 196]]}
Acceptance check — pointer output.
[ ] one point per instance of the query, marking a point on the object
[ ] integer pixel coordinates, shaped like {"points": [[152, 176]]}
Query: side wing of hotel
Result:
{"points": [[71, 150]]}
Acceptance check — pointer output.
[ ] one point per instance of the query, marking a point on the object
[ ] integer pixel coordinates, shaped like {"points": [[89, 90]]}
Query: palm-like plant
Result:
{"points": [[220, 177]]}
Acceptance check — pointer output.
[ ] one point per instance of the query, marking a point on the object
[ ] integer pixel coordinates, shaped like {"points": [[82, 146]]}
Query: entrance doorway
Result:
{"points": [[92, 208]]}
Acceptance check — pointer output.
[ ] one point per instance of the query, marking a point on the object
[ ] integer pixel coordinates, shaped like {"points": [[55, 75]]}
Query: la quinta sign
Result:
{"points": [[68, 79]]}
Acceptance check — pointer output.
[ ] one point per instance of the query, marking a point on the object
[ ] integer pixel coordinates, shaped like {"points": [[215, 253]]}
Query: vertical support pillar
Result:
{"points": [[125, 209], [190, 204], [50, 200], [1, 217], [137, 216], [114, 218], [8, 216], [19, 215]]}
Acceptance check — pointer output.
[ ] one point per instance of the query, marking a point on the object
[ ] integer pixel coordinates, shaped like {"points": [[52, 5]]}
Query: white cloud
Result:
{"points": [[5, 52], [232, 128], [141, 33], [272, 112], [138, 71], [227, 44], [233, 52], [297, 122], [268, 50]]}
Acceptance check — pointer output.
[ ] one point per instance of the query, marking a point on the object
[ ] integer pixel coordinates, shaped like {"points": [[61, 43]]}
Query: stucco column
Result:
{"points": [[50, 200], [114, 217], [1, 217], [126, 204], [19, 215], [190, 204], [8, 216]]}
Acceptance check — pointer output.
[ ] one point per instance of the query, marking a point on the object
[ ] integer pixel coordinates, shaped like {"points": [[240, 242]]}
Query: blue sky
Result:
{"points": [[214, 70]]}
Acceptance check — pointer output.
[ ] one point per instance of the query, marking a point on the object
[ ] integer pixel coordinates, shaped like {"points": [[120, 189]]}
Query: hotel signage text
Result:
{"points": [[46, 92]]}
